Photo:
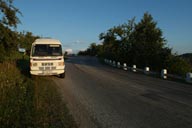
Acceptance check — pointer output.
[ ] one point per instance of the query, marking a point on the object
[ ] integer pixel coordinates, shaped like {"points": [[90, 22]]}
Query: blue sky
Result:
{"points": [[77, 23]]}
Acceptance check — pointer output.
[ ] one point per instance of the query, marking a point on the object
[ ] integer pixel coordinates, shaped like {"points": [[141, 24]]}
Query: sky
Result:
{"points": [[78, 23]]}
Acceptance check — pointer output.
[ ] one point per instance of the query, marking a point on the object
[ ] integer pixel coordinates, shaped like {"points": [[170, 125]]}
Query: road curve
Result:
{"points": [[99, 96]]}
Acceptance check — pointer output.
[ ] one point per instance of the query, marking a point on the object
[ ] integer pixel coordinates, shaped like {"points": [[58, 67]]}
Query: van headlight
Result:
{"points": [[34, 64]]}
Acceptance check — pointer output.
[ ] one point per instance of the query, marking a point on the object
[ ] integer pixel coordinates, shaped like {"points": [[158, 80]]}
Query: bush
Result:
{"points": [[179, 66]]}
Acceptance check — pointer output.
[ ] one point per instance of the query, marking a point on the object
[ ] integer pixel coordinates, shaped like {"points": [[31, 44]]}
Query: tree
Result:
{"points": [[9, 13], [25, 39], [8, 18], [116, 41], [65, 53], [126, 41], [100, 51], [148, 43], [93, 49], [8, 39]]}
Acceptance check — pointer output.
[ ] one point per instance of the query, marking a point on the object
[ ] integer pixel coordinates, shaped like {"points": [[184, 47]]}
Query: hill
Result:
{"points": [[187, 57]]}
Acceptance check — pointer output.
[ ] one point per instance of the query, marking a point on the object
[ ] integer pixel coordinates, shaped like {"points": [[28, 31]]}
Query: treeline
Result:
{"points": [[139, 43], [10, 39]]}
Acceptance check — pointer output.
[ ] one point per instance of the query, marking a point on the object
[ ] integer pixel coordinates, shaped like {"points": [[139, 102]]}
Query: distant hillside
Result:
{"points": [[188, 57]]}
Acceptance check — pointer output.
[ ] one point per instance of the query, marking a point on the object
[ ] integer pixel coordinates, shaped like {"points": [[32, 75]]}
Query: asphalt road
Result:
{"points": [[100, 96]]}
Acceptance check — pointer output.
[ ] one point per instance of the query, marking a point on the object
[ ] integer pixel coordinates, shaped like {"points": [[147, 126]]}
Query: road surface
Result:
{"points": [[100, 96]]}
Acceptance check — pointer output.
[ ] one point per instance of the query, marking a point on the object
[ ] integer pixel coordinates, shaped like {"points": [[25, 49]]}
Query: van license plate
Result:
{"points": [[47, 72]]}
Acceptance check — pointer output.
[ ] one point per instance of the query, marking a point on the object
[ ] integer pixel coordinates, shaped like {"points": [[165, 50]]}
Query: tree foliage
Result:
{"points": [[178, 65], [148, 45], [8, 13], [25, 39], [8, 19], [139, 43], [92, 50], [9, 39]]}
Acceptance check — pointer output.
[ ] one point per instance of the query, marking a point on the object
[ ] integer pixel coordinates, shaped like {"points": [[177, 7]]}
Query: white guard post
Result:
{"points": [[164, 73], [189, 77], [134, 68], [125, 66], [146, 70], [114, 64], [110, 62], [118, 65]]}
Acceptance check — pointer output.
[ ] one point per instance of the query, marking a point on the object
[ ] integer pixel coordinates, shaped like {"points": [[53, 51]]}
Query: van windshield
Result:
{"points": [[47, 50]]}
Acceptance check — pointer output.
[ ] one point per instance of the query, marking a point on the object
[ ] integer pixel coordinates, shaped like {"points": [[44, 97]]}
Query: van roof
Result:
{"points": [[46, 41]]}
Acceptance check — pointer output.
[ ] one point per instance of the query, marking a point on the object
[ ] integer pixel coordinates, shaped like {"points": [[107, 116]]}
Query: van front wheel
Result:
{"points": [[62, 75]]}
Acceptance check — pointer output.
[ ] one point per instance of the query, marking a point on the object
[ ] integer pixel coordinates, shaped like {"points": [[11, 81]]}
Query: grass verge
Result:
{"points": [[30, 103], [51, 111]]}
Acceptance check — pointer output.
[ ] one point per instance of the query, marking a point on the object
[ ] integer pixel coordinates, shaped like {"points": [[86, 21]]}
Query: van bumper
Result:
{"points": [[47, 72]]}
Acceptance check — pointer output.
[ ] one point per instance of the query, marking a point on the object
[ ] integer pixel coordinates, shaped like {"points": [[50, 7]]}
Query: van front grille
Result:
{"points": [[41, 68]]}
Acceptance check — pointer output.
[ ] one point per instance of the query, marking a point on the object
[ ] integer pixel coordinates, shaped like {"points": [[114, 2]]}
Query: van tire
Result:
{"points": [[62, 75]]}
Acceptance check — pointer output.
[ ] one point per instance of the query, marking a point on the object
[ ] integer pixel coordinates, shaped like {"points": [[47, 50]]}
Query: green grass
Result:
{"points": [[30, 103]]}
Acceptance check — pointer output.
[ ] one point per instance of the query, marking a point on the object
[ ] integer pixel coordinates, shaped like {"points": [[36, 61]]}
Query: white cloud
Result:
{"points": [[78, 42], [69, 51]]}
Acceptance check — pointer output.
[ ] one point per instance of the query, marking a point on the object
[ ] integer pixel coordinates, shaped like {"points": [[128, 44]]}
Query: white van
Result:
{"points": [[46, 58]]}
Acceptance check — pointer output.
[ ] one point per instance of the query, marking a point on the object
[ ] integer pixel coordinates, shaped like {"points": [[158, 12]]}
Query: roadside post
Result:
{"points": [[114, 64], [118, 65], [189, 77], [146, 71], [134, 68], [125, 66], [164, 73], [110, 62]]}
